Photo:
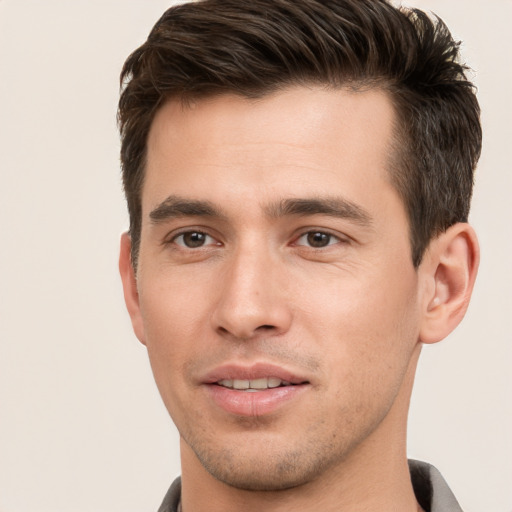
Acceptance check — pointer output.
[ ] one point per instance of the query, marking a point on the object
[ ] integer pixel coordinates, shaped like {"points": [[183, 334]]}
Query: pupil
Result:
{"points": [[318, 239], [194, 239]]}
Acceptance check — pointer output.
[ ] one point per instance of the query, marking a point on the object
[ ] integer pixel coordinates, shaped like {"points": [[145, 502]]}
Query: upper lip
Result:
{"points": [[253, 371]]}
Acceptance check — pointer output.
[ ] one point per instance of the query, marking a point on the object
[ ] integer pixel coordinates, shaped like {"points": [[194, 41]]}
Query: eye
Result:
{"points": [[317, 239], [194, 239]]}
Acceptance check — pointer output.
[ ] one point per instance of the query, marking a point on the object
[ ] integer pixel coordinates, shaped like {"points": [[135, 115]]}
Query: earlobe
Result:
{"points": [[131, 294], [450, 265]]}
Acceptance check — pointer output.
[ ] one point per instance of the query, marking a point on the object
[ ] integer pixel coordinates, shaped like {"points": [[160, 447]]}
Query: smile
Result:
{"points": [[253, 384], [256, 390]]}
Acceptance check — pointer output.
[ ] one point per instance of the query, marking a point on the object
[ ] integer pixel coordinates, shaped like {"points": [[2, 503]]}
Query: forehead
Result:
{"points": [[298, 109], [296, 140]]}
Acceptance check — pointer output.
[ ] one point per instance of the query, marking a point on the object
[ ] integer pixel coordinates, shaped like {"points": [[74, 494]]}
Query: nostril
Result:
{"points": [[245, 335]]}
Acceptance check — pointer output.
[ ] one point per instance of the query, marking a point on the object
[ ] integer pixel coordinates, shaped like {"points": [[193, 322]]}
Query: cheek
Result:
{"points": [[369, 338], [173, 305], [368, 326], [176, 320]]}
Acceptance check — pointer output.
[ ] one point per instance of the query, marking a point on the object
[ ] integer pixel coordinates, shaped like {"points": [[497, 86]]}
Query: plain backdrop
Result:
{"points": [[82, 428]]}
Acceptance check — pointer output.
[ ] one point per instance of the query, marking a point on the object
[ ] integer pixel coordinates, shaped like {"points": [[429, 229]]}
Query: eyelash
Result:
{"points": [[331, 239], [181, 235]]}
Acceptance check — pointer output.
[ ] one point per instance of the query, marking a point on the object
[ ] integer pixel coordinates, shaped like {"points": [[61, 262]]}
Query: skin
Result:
{"points": [[347, 317]]}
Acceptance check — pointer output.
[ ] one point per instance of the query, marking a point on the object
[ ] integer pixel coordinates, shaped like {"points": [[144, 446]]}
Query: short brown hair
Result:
{"points": [[252, 48]]}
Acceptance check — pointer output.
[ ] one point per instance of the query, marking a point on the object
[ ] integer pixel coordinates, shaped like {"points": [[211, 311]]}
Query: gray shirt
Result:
{"points": [[432, 492]]}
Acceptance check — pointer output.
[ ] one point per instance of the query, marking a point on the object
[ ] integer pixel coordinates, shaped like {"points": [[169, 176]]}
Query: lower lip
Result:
{"points": [[254, 403]]}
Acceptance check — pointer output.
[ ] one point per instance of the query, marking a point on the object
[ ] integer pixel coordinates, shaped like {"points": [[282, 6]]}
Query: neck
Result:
{"points": [[374, 477]]}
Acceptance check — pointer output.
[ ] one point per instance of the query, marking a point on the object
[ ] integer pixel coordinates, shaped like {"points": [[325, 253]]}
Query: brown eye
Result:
{"points": [[193, 239], [317, 239]]}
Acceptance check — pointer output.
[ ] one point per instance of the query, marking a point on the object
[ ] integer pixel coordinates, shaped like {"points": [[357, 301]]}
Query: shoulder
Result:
{"points": [[172, 498], [431, 489]]}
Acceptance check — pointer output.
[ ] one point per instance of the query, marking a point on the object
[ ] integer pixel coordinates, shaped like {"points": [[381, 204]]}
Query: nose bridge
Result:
{"points": [[251, 299]]}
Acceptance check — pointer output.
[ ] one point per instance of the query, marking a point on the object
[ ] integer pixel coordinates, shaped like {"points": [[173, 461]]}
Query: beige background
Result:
{"points": [[81, 425]]}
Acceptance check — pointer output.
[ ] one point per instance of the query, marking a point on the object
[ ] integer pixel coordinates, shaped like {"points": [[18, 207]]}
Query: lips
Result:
{"points": [[256, 390], [253, 372]]}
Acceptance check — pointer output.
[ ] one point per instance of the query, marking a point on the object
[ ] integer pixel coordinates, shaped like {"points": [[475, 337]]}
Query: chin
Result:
{"points": [[271, 471], [271, 479]]}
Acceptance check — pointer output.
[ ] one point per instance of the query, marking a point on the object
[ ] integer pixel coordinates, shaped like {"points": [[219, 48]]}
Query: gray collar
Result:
{"points": [[432, 492]]}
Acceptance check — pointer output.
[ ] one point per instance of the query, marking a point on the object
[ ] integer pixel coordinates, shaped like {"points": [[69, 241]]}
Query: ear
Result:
{"points": [[131, 294], [450, 266]]}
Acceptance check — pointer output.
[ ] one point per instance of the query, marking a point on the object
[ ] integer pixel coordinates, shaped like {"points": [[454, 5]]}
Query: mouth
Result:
{"points": [[255, 385], [257, 390]]}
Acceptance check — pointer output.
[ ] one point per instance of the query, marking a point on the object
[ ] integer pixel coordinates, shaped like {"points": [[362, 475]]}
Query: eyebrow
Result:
{"points": [[175, 207], [330, 206]]}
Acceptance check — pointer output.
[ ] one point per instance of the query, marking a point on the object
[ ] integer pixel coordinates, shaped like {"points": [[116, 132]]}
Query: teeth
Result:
{"points": [[258, 384], [241, 384], [274, 382], [253, 384]]}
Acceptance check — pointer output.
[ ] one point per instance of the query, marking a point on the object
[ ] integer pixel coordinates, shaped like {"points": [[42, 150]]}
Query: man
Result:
{"points": [[298, 176]]}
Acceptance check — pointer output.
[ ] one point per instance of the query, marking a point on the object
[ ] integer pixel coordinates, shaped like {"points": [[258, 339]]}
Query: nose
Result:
{"points": [[252, 296]]}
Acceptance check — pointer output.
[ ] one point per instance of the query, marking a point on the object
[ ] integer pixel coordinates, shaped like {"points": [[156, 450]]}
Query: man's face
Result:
{"points": [[275, 255]]}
